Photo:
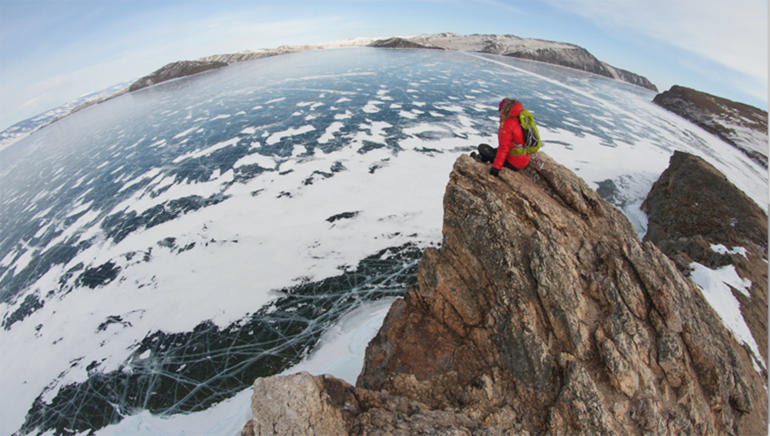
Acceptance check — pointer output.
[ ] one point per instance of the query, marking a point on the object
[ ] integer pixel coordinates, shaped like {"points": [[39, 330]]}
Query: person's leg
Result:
{"points": [[487, 153], [508, 165]]}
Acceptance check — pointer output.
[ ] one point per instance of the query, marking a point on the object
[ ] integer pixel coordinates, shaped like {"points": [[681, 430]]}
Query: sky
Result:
{"points": [[55, 51]]}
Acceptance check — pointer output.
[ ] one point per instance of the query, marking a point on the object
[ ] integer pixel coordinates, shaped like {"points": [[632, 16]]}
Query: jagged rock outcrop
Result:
{"points": [[740, 125], [542, 313], [175, 70], [693, 207]]}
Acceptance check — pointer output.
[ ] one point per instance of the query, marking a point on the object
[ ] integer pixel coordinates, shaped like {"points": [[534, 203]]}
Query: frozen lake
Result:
{"points": [[161, 250]]}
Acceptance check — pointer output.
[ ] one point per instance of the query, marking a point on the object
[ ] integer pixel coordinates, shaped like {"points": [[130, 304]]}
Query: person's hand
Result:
{"points": [[495, 172]]}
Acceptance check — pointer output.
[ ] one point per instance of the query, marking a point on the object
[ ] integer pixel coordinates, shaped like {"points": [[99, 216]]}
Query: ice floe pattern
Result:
{"points": [[160, 250]]}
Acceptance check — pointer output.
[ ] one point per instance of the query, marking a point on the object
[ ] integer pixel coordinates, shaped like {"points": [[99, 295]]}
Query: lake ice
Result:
{"points": [[161, 250]]}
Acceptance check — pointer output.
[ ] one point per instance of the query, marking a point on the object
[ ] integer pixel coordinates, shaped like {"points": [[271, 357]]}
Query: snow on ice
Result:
{"points": [[242, 206]]}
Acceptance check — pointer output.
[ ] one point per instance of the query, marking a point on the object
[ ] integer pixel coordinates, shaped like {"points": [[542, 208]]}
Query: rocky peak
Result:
{"points": [[540, 313]]}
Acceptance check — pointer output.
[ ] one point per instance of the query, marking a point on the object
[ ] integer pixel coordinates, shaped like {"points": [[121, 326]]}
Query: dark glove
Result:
{"points": [[495, 172]]}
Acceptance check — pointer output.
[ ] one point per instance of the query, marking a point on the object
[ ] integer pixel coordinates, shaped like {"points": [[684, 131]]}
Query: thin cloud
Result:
{"points": [[503, 6], [84, 65], [732, 34]]}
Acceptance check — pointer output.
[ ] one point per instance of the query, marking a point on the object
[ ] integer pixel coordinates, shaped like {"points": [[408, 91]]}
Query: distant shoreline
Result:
{"points": [[556, 53]]}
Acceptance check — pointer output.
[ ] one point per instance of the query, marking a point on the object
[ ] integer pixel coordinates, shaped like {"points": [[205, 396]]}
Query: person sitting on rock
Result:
{"points": [[509, 135]]}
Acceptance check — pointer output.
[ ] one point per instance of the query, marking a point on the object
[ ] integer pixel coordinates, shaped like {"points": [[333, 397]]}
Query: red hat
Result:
{"points": [[502, 102]]}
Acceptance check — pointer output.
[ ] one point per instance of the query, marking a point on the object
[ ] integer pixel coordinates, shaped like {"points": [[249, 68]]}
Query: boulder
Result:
{"points": [[300, 405]]}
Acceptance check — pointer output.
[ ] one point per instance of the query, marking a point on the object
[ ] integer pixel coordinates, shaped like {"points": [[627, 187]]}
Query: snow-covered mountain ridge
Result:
{"points": [[25, 128], [558, 53], [248, 55]]}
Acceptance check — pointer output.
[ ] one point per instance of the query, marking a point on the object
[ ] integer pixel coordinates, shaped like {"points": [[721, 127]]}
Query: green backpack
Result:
{"points": [[532, 141]]}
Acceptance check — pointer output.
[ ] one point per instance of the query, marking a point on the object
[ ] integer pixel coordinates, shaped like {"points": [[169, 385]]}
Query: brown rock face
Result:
{"points": [[580, 59], [542, 313], [542, 300], [692, 207], [175, 70]]}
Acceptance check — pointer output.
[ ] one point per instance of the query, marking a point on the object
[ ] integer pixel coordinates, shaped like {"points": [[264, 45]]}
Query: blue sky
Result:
{"points": [[54, 51]]}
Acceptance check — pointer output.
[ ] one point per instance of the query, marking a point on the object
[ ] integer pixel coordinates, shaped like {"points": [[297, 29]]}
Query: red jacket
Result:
{"points": [[510, 135]]}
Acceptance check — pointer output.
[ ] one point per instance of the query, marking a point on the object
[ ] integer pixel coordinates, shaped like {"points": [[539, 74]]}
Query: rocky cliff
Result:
{"points": [[557, 53], [541, 313], [175, 70], [693, 208], [580, 59], [738, 124]]}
